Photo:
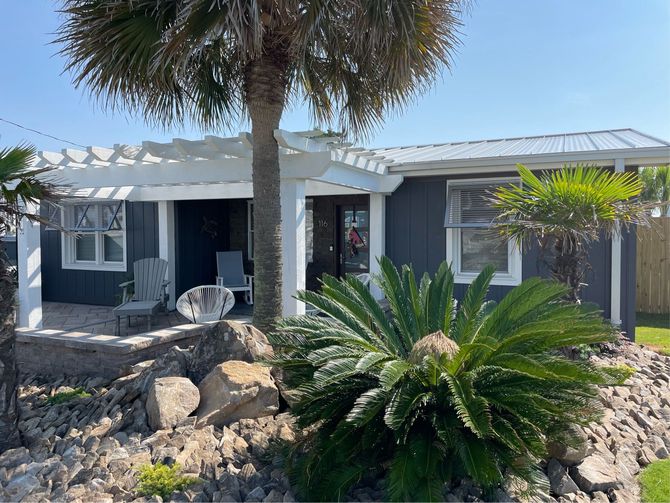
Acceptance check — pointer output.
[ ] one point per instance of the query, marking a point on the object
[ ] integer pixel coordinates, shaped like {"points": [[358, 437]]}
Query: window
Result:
{"points": [[471, 242], [309, 230], [95, 236]]}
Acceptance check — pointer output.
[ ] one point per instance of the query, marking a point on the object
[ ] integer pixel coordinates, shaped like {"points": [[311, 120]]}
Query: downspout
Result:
{"points": [[615, 283]]}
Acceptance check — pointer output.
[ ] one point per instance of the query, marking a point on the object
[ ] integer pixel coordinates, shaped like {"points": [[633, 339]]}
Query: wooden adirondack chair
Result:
{"points": [[149, 291]]}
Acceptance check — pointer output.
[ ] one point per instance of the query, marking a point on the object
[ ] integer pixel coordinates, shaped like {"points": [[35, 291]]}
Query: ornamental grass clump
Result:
{"points": [[438, 389]]}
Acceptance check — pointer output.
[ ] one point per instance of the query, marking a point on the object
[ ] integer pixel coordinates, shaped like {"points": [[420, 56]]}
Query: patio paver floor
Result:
{"points": [[100, 319]]}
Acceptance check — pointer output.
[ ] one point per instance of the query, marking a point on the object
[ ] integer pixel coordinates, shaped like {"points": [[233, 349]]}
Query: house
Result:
{"points": [[341, 206]]}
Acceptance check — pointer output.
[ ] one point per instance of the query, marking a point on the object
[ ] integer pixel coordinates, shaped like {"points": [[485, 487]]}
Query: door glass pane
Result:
{"points": [[85, 247], [309, 231], [113, 247], [480, 247], [356, 254]]}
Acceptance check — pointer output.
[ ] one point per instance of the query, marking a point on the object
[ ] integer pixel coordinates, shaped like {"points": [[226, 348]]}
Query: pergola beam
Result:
{"points": [[298, 143]]}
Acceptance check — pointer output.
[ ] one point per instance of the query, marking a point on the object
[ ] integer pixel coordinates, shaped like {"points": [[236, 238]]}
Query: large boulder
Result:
{"points": [[236, 390], [225, 341], [573, 451], [173, 363], [559, 480], [170, 400], [596, 474]]}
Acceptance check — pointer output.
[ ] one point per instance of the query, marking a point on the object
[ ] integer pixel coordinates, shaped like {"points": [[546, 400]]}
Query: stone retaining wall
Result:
{"points": [[58, 352]]}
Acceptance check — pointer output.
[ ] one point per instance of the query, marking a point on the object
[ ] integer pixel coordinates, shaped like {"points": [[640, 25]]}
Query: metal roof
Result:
{"points": [[589, 141]]}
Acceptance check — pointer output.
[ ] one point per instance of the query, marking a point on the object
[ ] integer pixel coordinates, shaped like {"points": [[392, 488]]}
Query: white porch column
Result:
{"points": [[29, 263], [615, 283], [377, 237], [293, 243], [167, 245]]}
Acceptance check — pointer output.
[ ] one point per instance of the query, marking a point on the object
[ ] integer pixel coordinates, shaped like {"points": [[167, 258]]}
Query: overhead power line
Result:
{"points": [[43, 134]]}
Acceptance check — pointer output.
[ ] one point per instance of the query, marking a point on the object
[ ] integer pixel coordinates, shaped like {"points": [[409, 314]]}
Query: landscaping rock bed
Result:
{"points": [[91, 448]]}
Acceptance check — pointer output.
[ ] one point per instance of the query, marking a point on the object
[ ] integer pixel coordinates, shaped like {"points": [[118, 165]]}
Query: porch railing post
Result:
{"points": [[293, 243], [29, 264], [167, 246], [377, 237]]}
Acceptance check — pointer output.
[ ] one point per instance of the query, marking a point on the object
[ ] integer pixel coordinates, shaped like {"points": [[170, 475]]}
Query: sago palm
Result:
{"points": [[214, 63], [20, 188], [567, 209], [436, 389]]}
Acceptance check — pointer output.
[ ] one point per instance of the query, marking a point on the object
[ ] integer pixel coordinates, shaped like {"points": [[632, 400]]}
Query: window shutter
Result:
{"points": [[468, 205]]}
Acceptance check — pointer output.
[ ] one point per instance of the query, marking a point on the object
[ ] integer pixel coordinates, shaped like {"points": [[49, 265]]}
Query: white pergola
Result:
{"points": [[311, 164]]}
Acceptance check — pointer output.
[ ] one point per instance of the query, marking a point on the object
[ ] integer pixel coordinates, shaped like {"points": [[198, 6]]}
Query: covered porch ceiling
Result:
{"points": [[217, 168]]}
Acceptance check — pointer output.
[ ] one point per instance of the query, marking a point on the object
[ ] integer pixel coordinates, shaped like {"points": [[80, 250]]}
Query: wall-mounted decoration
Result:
{"points": [[210, 227]]}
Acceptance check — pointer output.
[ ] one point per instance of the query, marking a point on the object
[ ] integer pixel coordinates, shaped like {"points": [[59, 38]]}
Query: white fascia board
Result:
{"points": [[637, 156], [347, 176], [305, 165], [316, 188], [166, 173], [243, 190]]}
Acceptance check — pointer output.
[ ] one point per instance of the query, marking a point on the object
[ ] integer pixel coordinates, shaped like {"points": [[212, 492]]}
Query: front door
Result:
{"points": [[353, 239]]}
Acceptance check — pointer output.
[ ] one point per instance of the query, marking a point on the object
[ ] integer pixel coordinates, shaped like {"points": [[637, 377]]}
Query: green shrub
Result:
{"points": [[620, 373], [392, 396], [162, 480], [655, 482], [66, 396]]}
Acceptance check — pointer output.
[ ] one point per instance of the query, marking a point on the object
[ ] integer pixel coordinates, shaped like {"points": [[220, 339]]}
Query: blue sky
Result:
{"points": [[525, 67]]}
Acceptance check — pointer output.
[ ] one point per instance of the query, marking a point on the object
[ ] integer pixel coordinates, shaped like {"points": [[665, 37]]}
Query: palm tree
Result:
{"points": [[565, 210], [20, 187], [213, 62], [656, 182]]}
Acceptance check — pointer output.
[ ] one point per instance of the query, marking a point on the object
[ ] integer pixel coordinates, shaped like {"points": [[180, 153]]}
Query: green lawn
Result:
{"points": [[653, 330], [655, 482]]}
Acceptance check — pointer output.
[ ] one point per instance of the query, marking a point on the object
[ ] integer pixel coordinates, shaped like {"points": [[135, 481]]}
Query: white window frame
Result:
{"points": [[68, 242], [453, 242]]}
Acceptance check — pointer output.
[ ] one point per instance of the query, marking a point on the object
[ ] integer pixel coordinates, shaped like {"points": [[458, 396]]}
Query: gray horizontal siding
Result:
{"points": [[98, 287], [415, 234]]}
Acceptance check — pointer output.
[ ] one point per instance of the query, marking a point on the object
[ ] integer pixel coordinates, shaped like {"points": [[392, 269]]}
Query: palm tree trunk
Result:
{"points": [[265, 88], [569, 267], [9, 414]]}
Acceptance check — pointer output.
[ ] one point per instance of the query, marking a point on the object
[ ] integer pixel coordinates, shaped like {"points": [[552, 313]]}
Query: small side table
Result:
{"points": [[136, 308]]}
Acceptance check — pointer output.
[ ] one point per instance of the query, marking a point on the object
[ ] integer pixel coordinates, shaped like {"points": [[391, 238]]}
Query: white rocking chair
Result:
{"points": [[205, 303]]}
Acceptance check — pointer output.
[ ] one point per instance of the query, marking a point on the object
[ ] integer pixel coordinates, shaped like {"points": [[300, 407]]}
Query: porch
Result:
{"points": [[181, 199]]}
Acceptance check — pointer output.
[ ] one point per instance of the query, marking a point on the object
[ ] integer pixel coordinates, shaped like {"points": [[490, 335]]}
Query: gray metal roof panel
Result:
{"points": [[589, 141]]}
